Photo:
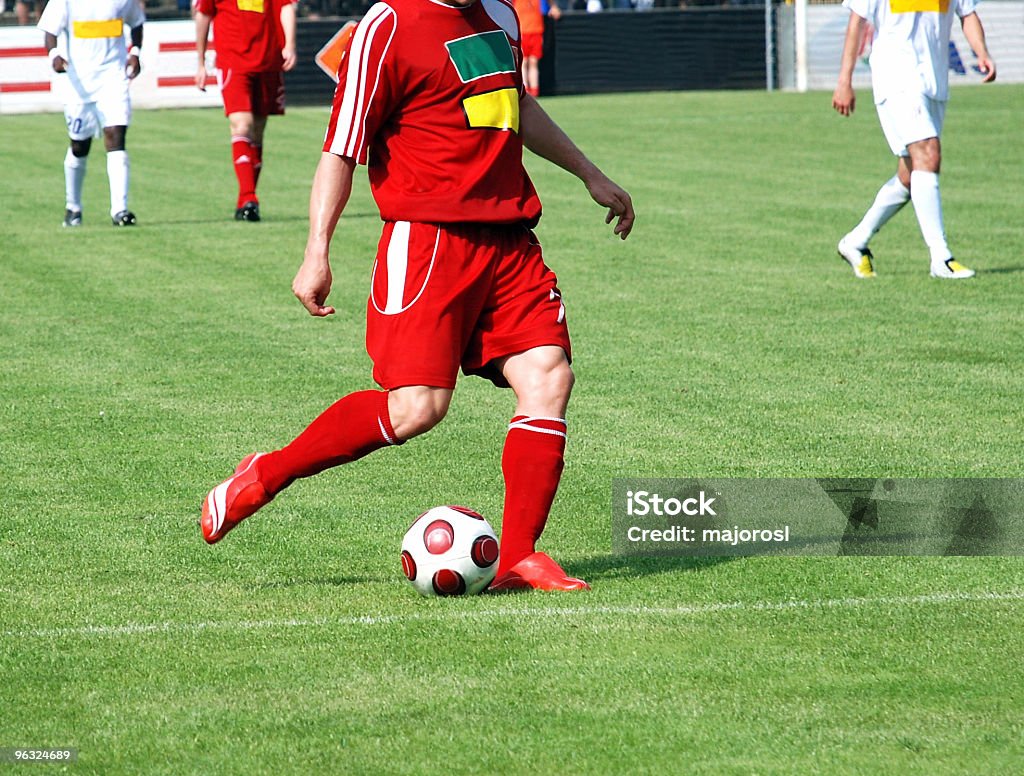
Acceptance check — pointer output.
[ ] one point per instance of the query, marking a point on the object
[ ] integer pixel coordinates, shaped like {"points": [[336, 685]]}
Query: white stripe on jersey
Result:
{"points": [[350, 126]]}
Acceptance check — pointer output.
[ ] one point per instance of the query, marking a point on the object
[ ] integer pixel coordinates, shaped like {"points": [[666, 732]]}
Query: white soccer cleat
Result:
{"points": [[860, 259], [951, 269]]}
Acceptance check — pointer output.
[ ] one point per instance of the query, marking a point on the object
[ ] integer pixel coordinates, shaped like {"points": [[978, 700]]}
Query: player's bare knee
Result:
{"points": [[926, 155], [80, 148], [113, 138], [559, 383], [417, 419], [414, 410], [547, 390], [241, 125], [931, 159]]}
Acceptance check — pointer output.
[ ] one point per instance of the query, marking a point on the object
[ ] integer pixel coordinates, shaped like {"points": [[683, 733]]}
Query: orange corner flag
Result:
{"points": [[330, 56]]}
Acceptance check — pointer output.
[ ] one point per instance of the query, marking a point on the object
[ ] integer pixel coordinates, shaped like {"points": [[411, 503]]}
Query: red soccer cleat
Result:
{"points": [[233, 500], [539, 572]]}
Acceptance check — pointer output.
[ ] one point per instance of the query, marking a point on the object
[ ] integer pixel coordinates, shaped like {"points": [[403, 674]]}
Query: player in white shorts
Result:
{"points": [[910, 79], [86, 43]]}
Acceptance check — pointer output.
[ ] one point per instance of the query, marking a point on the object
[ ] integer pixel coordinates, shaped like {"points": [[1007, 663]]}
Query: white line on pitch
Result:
{"points": [[132, 629]]}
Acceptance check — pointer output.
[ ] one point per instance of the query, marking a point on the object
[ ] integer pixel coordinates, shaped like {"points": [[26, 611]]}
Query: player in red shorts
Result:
{"points": [[255, 42], [531, 21], [431, 99]]}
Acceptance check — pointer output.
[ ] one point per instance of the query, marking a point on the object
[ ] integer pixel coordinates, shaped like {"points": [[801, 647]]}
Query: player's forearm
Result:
{"points": [[49, 41], [546, 139], [202, 35], [975, 34], [851, 47], [288, 24], [332, 186], [137, 36]]}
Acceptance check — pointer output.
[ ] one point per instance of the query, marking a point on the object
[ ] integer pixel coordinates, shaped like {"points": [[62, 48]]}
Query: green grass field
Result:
{"points": [[725, 338]]}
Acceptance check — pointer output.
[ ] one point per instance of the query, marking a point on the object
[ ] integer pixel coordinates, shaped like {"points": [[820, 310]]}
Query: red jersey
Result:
{"points": [[246, 33], [428, 98], [531, 16]]}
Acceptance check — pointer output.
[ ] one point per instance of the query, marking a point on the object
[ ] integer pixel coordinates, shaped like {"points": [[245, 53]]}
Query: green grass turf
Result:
{"points": [[725, 338]]}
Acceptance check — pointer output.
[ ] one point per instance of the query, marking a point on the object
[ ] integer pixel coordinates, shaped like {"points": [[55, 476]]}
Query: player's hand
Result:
{"points": [[312, 285], [608, 193], [988, 69], [844, 100], [133, 68], [288, 55], [200, 78], [554, 13], [60, 65]]}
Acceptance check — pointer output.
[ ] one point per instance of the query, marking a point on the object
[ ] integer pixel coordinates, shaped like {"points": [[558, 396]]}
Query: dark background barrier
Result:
{"points": [[307, 84], [692, 48]]}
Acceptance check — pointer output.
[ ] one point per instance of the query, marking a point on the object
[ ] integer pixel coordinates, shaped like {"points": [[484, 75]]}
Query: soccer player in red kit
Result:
{"points": [[431, 99], [531, 15], [255, 42]]}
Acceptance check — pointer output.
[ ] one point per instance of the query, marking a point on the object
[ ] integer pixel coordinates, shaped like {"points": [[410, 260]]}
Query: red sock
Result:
{"points": [[257, 163], [242, 153], [352, 427], [532, 464]]}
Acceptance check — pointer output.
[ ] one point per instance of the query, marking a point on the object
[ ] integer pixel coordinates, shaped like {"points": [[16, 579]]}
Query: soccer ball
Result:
{"points": [[450, 551]]}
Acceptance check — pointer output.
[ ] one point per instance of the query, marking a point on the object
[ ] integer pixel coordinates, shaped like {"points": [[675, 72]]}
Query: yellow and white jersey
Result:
{"points": [[93, 33], [910, 50]]}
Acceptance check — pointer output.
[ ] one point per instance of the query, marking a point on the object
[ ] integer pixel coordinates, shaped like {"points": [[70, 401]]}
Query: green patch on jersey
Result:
{"points": [[476, 56]]}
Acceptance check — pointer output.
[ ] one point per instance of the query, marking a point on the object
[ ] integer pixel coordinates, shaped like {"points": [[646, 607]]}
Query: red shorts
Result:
{"points": [[261, 94], [533, 44], [458, 295]]}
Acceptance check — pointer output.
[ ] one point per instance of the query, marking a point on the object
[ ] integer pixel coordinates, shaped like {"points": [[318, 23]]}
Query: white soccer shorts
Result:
{"points": [[112, 108], [907, 118]]}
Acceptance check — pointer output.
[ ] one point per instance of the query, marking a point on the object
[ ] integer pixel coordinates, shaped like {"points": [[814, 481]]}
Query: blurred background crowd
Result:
{"points": [[27, 11]]}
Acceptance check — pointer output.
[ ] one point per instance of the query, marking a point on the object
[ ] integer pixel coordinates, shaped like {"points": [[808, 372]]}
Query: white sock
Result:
{"points": [[888, 202], [924, 190], [117, 175], [74, 177]]}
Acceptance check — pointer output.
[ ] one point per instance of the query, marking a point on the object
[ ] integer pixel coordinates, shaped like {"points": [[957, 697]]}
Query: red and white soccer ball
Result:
{"points": [[450, 551]]}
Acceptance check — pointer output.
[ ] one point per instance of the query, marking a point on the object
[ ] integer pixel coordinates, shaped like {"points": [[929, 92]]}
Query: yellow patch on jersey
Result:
{"points": [[915, 6], [493, 110], [111, 28], [256, 6]]}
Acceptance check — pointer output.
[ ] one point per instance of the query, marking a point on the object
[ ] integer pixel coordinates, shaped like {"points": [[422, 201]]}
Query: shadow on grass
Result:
{"points": [[615, 566], [1001, 270]]}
